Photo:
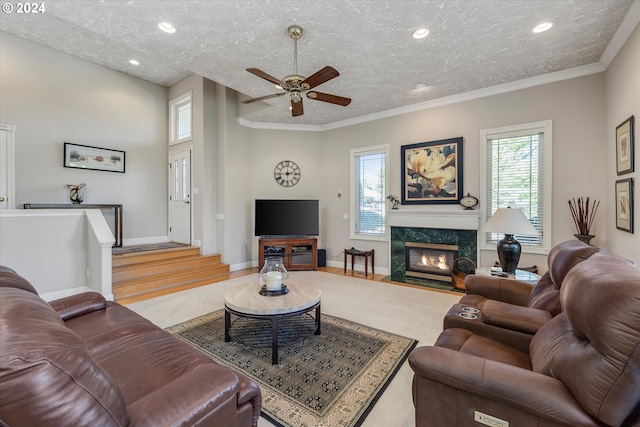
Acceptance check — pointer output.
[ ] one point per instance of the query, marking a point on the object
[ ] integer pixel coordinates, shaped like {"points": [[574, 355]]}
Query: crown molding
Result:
{"points": [[628, 24]]}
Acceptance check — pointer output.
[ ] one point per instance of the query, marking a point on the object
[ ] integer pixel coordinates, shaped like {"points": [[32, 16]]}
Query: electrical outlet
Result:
{"points": [[489, 420]]}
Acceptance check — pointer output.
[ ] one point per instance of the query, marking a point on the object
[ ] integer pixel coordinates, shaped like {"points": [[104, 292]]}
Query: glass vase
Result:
{"points": [[273, 274]]}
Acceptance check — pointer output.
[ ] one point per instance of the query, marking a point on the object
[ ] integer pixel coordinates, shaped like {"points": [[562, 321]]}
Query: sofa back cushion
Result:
{"points": [[48, 376], [593, 347], [562, 258], [10, 279]]}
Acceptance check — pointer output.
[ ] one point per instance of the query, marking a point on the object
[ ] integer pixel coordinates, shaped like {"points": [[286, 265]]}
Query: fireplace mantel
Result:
{"points": [[451, 219]]}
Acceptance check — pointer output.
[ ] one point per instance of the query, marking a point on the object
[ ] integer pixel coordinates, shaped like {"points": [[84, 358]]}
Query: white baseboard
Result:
{"points": [[356, 267], [50, 296], [242, 266], [145, 240]]}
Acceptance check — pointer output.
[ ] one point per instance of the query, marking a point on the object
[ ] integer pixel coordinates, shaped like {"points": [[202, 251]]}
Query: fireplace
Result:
{"points": [[430, 260]]}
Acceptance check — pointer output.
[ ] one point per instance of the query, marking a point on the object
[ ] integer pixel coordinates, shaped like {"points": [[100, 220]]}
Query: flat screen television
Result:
{"points": [[287, 217]]}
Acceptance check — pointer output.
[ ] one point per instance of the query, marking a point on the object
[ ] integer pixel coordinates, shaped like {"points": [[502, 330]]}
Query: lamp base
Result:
{"points": [[509, 253]]}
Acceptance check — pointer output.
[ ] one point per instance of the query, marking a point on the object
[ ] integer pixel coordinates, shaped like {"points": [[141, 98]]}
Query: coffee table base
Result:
{"points": [[275, 321]]}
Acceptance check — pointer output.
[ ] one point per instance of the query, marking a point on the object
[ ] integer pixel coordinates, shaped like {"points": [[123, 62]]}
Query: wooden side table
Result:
{"points": [[354, 253]]}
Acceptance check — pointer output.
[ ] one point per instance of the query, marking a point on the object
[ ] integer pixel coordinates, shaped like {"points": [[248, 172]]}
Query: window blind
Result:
{"points": [[515, 174], [370, 193]]}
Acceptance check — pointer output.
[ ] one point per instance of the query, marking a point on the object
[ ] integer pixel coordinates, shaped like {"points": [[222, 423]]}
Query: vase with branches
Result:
{"points": [[583, 212]]}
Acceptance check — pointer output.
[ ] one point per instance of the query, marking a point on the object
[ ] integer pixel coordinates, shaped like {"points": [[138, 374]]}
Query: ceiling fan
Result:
{"points": [[296, 85]]}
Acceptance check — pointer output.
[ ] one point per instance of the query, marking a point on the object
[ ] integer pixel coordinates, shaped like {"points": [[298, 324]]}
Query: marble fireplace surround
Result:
{"points": [[454, 227]]}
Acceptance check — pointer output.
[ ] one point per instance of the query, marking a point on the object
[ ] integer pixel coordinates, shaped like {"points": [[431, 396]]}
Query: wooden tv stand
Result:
{"points": [[299, 253]]}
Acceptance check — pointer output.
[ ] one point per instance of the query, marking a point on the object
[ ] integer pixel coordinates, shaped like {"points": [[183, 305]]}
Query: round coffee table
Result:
{"points": [[245, 301]]}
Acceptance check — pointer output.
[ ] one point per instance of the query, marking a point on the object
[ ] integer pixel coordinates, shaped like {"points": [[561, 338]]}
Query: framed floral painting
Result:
{"points": [[432, 172]]}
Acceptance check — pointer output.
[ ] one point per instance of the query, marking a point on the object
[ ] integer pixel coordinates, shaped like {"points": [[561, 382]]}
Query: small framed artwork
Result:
{"points": [[624, 147], [93, 158], [432, 172], [624, 205]]}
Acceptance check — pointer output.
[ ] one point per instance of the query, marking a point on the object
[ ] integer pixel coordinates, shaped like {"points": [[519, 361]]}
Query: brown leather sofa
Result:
{"points": [[511, 311], [581, 369], [83, 361]]}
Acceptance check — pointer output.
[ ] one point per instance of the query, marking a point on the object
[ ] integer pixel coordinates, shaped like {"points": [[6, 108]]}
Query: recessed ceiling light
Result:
{"points": [[420, 33], [420, 85], [541, 28], [167, 27], [134, 62]]}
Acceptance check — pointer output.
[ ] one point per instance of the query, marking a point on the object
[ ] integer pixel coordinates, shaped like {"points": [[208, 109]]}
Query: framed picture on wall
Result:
{"points": [[624, 147], [432, 172], [93, 158], [624, 205]]}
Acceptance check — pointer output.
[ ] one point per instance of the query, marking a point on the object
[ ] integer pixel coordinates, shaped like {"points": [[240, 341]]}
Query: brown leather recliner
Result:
{"points": [[582, 367], [84, 361], [513, 311]]}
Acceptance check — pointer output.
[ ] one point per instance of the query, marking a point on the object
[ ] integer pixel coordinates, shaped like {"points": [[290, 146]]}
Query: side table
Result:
{"points": [[520, 275], [354, 253]]}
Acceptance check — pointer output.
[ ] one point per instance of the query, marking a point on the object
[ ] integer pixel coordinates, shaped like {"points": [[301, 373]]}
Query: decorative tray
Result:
{"points": [[268, 293]]}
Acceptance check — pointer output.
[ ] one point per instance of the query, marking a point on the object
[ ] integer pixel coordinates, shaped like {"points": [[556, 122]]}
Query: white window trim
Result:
{"points": [[546, 127], [352, 191], [174, 106]]}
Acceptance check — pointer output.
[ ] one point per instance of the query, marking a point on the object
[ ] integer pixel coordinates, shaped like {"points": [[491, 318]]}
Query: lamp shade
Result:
{"points": [[510, 221]]}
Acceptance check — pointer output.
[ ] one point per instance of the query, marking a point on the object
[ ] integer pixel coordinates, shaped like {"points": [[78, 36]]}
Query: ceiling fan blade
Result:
{"points": [[262, 98], [264, 75], [326, 97], [296, 108], [324, 75]]}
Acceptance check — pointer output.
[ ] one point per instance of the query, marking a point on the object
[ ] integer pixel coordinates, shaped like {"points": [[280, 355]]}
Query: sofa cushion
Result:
{"points": [[115, 325], [469, 343], [11, 279], [48, 376], [562, 258], [593, 346]]}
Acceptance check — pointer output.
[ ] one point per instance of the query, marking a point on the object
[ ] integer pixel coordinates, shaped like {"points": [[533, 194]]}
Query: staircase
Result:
{"points": [[142, 275]]}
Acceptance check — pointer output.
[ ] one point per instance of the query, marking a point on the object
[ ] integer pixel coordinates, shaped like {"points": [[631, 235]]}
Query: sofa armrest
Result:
{"points": [[514, 317], [190, 399], [543, 396], [499, 289], [79, 304]]}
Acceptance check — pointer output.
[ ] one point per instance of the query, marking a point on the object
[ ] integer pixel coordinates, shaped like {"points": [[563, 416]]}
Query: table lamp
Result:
{"points": [[509, 221]]}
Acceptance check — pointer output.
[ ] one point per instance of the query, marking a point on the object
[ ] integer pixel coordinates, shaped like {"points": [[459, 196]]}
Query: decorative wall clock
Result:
{"points": [[287, 173]]}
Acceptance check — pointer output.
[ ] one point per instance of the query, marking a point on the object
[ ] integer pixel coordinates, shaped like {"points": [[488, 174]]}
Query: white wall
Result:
{"points": [[52, 98], [623, 101]]}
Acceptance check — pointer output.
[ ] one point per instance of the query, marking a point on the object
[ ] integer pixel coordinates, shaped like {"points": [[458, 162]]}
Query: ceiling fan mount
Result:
{"points": [[296, 85]]}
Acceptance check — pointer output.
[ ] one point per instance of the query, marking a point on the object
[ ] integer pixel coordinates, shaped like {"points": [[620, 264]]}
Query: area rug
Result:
{"points": [[333, 379]]}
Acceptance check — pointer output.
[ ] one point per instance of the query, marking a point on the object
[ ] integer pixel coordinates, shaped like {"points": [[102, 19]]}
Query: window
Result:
{"points": [[180, 119], [516, 172], [368, 189]]}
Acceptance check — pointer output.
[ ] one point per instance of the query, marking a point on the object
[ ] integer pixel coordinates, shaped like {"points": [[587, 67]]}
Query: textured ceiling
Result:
{"points": [[473, 44]]}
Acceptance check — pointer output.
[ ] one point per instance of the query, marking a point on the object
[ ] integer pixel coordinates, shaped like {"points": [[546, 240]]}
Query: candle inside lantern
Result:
{"points": [[274, 280]]}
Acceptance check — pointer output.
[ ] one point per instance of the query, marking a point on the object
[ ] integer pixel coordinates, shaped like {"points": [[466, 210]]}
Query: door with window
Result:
{"points": [[180, 196]]}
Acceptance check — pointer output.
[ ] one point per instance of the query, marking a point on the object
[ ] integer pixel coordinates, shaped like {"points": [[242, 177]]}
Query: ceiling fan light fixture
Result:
{"points": [[420, 33], [541, 28], [167, 27], [295, 96]]}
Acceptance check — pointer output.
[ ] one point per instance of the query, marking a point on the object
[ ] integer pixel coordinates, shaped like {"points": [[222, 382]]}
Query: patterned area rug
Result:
{"points": [[332, 379]]}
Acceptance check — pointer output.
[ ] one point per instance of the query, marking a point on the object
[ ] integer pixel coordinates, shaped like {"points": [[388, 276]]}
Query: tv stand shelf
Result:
{"points": [[300, 253]]}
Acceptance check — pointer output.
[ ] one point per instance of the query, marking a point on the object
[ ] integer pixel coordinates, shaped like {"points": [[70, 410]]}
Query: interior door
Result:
{"points": [[7, 167], [180, 196]]}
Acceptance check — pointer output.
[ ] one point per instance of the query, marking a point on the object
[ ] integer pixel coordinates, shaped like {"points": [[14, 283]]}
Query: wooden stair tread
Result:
{"points": [[144, 274], [217, 269]]}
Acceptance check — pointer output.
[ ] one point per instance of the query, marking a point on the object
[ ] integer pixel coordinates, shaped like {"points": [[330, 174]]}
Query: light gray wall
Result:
{"points": [[576, 107], [52, 98], [623, 101]]}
